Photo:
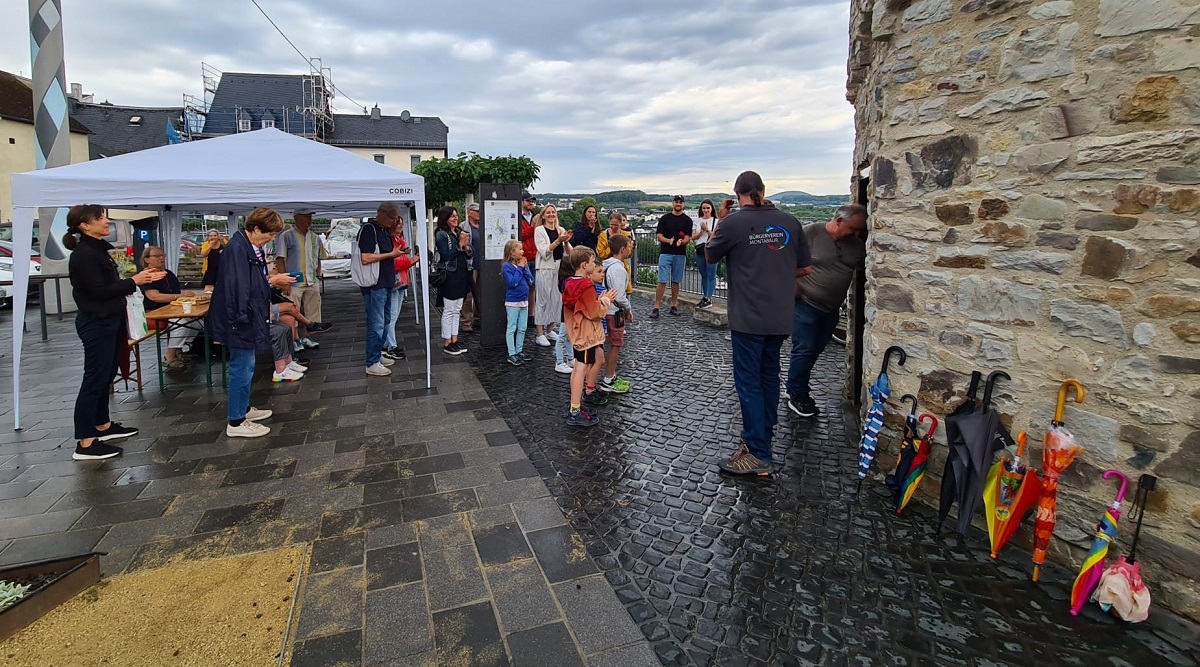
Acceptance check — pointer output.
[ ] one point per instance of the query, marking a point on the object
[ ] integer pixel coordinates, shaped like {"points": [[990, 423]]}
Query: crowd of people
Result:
{"points": [[784, 280]]}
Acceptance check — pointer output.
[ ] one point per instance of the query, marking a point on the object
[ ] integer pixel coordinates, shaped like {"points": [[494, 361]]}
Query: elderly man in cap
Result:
{"points": [[302, 252], [471, 307], [673, 232]]}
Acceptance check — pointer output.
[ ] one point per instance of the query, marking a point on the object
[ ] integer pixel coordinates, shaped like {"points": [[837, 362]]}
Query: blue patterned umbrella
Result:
{"points": [[880, 391]]}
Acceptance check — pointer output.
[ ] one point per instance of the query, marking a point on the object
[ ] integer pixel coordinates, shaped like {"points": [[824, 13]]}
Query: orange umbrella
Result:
{"points": [[1059, 450], [1009, 494]]}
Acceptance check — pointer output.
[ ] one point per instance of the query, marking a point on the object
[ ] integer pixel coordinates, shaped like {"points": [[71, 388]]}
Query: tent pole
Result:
{"points": [[420, 204], [22, 247]]}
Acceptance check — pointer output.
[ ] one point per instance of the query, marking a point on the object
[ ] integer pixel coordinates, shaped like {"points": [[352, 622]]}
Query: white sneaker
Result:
{"points": [[563, 368], [310, 343], [378, 369], [386, 362], [248, 429], [297, 367], [288, 375], [297, 347], [552, 334], [542, 340], [254, 414]]}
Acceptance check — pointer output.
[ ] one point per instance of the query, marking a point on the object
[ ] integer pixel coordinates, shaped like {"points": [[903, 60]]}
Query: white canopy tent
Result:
{"points": [[229, 175]]}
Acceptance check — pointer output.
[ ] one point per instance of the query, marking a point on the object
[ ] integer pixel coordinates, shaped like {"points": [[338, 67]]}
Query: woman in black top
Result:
{"points": [[100, 295], [587, 232], [211, 252], [452, 245]]}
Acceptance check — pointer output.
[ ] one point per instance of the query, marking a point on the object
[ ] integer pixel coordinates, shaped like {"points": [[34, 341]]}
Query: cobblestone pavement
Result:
{"points": [[432, 540], [793, 570]]}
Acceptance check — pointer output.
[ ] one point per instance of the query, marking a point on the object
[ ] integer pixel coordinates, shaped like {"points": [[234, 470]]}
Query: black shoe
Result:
{"points": [[319, 327], [654, 314], [804, 406], [515, 360], [453, 349], [95, 451], [524, 356], [115, 431], [674, 311], [704, 303], [303, 361], [394, 353], [595, 397], [582, 418]]}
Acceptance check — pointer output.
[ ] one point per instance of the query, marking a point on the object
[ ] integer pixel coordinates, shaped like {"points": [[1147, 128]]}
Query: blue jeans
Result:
{"points": [[756, 379], [241, 373], [514, 333], [563, 352], [397, 300], [708, 275], [378, 304], [811, 330], [671, 268]]}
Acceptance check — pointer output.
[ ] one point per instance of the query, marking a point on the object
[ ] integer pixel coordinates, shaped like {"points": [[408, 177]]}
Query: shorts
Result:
{"points": [[616, 334], [670, 268], [587, 356]]}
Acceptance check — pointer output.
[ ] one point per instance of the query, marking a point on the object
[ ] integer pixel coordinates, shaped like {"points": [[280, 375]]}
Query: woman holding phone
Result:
{"points": [[702, 228], [99, 293]]}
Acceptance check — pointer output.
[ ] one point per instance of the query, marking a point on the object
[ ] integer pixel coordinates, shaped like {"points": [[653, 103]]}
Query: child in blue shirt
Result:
{"points": [[517, 279]]}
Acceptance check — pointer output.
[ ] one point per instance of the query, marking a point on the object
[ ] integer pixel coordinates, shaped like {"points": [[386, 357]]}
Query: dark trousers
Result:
{"points": [[756, 379], [812, 329], [101, 337]]}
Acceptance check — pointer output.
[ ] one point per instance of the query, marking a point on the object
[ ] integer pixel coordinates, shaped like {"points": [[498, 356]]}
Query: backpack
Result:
{"points": [[364, 275]]}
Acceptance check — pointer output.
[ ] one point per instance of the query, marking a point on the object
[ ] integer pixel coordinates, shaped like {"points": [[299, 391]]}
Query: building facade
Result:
{"points": [[1032, 169]]}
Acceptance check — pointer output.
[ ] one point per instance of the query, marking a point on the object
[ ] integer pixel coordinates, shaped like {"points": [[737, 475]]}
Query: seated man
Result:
{"points": [[161, 293], [286, 312]]}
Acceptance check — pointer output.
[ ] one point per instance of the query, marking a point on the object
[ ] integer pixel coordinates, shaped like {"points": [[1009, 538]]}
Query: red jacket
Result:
{"points": [[583, 311], [527, 245], [402, 263]]}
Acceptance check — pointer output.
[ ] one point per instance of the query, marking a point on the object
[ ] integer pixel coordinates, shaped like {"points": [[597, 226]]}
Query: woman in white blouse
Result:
{"points": [[551, 242], [703, 228]]}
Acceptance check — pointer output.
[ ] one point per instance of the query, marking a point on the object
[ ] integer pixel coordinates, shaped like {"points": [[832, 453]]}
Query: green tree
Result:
{"points": [[452, 179]]}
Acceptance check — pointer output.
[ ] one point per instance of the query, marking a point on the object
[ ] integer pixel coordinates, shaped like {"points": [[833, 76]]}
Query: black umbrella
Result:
{"points": [[974, 434]]}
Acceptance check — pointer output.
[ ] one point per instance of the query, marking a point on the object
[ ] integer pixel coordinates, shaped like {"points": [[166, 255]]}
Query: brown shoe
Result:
{"points": [[744, 463]]}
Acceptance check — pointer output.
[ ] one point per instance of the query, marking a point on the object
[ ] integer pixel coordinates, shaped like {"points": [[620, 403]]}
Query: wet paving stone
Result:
{"points": [[468, 636], [797, 569]]}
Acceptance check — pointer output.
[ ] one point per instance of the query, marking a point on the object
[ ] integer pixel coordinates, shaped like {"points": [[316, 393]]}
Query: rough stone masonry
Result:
{"points": [[1034, 189]]}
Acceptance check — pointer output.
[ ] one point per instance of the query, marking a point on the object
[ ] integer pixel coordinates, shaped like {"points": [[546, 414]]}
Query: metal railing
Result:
{"points": [[645, 266]]}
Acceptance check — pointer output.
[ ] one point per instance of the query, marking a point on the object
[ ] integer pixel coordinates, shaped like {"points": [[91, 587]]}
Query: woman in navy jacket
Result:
{"points": [[99, 293], [239, 315]]}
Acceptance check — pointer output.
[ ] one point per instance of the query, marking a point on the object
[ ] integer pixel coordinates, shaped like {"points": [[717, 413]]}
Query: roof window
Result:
{"points": [[135, 120]]}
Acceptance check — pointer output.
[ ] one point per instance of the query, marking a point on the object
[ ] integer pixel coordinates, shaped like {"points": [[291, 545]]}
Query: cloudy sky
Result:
{"points": [[661, 96]]}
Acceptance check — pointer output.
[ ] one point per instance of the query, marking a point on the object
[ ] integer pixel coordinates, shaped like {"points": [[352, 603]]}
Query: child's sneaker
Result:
{"points": [[618, 385], [595, 397], [515, 360], [581, 418], [564, 368], [524, 356]]}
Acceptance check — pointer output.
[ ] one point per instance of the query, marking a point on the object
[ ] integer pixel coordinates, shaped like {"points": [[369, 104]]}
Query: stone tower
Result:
{"points": [[1034, 186]]}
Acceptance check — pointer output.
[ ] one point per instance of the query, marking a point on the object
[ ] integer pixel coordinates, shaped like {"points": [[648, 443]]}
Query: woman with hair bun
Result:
{"points": [[99, 293]]}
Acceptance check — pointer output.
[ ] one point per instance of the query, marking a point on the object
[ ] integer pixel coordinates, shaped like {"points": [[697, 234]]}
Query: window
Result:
{"points": [[269, 122], [135, 120], [380, 158], [244, 125], [413, 161]]}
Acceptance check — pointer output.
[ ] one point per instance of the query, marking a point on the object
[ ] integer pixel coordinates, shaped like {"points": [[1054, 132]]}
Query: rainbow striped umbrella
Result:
{"points": [[1106, 534]]}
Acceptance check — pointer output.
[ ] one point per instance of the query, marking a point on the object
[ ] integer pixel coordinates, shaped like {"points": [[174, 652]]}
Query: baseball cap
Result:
{"points": [[677, 198], [472, 207], [525, 196], [303, 211]]}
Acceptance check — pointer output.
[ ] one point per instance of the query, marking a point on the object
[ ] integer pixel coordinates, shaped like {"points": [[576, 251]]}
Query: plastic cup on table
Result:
{"points": [[187, 307]]}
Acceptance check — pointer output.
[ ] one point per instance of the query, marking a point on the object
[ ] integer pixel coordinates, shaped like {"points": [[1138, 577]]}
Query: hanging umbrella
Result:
{"points": [[1010, 493], [978, 436], [956, 460], [1106, 534], [1121, 588], [880, 390], [1059, 450]]}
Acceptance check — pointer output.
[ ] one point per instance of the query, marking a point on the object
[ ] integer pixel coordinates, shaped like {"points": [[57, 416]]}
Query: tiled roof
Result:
{"points": [[115, 133], [386, 131], [256, 97], [16, 101]]}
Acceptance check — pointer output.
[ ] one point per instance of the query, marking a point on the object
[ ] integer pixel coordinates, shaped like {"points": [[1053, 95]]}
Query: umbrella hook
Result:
{"points": [[1124, 485], [1145, 485], [887, 357], [1022, 438], [909, 397], [925, 416], [1062, 399], [991, 384]]}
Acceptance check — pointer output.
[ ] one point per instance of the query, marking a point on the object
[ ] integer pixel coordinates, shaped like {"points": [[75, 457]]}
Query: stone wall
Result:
{"points": [[1035, 194]]}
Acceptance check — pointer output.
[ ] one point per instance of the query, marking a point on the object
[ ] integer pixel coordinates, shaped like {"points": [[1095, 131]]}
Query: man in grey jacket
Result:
{"points": [[765, 252]]}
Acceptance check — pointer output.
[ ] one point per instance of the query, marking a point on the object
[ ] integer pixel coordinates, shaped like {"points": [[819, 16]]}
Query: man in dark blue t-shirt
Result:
{"points": [[375, 247]]}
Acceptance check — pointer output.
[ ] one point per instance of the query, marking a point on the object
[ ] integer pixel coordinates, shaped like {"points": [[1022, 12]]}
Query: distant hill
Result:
{"points": [[801, 197]]}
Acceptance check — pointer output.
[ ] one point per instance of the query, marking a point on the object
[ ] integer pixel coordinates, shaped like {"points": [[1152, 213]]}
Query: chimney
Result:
{"points": [[77, 92], [376, 114]]}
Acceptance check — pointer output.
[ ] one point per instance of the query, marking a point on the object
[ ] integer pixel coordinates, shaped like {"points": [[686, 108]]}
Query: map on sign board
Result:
{"points": [[500, 223]]}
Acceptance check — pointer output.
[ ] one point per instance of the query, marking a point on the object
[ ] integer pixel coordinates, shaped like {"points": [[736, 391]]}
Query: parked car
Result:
{"points": [[187, 246], [338, 243], [6, 276]]}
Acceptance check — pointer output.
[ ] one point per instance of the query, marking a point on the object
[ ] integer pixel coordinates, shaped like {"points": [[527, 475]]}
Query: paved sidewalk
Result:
{"points": [[433, 540], [796, 570]]}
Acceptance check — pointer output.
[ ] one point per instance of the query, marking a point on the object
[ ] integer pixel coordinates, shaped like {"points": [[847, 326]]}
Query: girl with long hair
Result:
{"points": [[552, 242], [452, 245], [702, 229]]}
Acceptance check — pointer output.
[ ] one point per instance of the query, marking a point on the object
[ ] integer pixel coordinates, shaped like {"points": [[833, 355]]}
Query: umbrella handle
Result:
{"points": [[991, 384], [1124, 484], [909, 397], [925, 416], [976, 376], [1022, 438], [887, 358], [1062, 399]]}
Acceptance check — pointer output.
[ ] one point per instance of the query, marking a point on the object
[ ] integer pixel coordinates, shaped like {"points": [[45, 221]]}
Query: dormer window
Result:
{"points": [[268, 122], [244, 125], [135, 120]]}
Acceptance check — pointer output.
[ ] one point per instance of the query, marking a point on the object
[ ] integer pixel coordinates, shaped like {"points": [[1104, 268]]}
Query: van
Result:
{"points": [[120, 234]]}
